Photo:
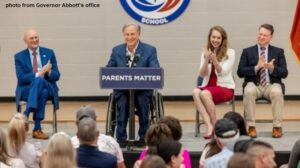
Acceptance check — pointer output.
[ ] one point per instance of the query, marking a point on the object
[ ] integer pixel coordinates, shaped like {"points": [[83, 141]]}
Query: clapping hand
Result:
{"points": [[46, 69], [209, 55], [270, 65], [261, 62]]}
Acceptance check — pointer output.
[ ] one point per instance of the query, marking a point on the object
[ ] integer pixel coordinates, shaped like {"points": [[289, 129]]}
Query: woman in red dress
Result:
{"points": [[216, 65]]}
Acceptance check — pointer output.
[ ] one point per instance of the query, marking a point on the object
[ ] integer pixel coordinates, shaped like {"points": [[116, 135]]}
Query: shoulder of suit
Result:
{"points": [[146, 45], [120, 45], [273, 47], [45, 49], [251, 47], [22, 52]]}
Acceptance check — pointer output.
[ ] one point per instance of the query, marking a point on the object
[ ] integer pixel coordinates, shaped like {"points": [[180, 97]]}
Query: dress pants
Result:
{"points": [[36, 98], [271, 92], [142, 105]]}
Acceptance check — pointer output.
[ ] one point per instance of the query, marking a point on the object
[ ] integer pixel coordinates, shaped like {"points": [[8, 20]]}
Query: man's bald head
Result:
{"points": [[31, 38]]}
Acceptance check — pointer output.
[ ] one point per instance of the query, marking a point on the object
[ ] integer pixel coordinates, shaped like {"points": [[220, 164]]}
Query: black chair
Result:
{"points": [[197, 120], [49, 101], [156, 110]]}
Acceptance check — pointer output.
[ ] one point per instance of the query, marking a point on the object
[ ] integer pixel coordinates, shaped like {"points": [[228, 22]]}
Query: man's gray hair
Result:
{"points": [[137, 26], [87, 130]]}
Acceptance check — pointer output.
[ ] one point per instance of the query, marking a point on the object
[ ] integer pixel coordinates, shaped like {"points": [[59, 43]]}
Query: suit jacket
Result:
{"points": [[25, 75], [146, 52], [249, 59]]}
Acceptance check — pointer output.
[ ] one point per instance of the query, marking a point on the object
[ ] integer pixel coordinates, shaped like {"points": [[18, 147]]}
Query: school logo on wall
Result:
{"points": [[155, 12]]}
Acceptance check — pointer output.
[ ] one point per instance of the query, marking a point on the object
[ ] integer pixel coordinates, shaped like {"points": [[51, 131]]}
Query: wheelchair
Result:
{"points": [[156, 111]]}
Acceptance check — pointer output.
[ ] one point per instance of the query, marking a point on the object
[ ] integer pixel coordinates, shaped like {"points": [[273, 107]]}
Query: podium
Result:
{"points": [[137, 78]]}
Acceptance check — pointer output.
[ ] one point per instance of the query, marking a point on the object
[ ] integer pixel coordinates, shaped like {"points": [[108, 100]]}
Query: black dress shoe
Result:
{"points": [[141, 143], [122, 143]]}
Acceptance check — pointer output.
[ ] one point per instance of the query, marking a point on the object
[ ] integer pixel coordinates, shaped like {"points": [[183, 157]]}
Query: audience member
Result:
{"points": [[176, 132], [262, 153], [238, 119], [240, 123], [176, 129], [210, 149], [105, 143], [263, 66], [153, 161], [216, 64], [170, 151], [32, 155], [242, 145], [240, 160], [174, 125], [60, 153], [88, 154], [7, 161], [294, 160], [154, 136], [224, 132]]}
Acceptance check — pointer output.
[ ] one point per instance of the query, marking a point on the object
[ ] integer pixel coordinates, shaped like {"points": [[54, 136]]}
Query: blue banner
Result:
{"points": [[131, 78]]}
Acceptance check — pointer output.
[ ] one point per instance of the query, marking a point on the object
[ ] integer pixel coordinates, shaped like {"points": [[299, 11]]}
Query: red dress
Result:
{"points": [[219, 94]]}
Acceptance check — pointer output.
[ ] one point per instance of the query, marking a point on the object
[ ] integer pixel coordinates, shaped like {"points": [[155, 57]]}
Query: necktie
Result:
{"points": [[262, 72], [34, 62]]}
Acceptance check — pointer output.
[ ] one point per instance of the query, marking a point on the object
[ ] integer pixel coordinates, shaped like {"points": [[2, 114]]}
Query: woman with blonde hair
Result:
{"points": [[216, 64], [60, 153], [18, 147], [6, 160]]}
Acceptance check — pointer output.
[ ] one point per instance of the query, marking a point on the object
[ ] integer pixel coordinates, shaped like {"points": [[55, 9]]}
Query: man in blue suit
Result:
{"points": [[37, 73], [263, 66], [133, 53]]}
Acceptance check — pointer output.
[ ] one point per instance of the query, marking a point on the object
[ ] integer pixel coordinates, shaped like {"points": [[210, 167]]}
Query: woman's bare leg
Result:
{"points": [[202, 110], [206, 99]]}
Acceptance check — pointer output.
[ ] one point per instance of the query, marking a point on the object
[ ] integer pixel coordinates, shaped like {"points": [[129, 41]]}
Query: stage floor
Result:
{"points": [[184, 110]]}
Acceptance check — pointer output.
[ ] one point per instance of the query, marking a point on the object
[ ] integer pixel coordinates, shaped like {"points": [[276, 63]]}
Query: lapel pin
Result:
{"points": [[44, 56]]}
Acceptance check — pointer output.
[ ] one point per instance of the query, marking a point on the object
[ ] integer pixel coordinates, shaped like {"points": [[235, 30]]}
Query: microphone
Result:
{"points": [[127, 57], [136, 59]]}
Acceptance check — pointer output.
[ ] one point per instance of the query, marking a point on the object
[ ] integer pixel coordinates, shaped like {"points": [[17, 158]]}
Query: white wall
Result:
{"points": [[83, 37]]}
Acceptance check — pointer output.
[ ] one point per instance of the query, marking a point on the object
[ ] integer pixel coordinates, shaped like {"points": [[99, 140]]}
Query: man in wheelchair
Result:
{"points": [[132, 53]]}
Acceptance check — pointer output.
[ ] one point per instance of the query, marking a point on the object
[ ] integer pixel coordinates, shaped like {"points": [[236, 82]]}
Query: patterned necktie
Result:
{"points": [[262, 72], [34, 62]]}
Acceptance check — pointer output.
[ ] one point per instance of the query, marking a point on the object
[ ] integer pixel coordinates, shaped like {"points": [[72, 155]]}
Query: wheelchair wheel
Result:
{"points": [[111, 116], [161, 111], [156, 107]]}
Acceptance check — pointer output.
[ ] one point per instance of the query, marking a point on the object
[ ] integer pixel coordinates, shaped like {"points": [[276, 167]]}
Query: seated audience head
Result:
{"points": [[153, 161], [262, 153], [156, 133], [225, 131], [4, 156], [240, 160], [242, 145], [17, 129], [170, 151], [85, 111], [238, 120], [174, 125], [60, 153], [87, 131]]}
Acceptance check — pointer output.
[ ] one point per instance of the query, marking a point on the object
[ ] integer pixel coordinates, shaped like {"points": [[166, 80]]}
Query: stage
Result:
{"points": [[184, 110]]}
